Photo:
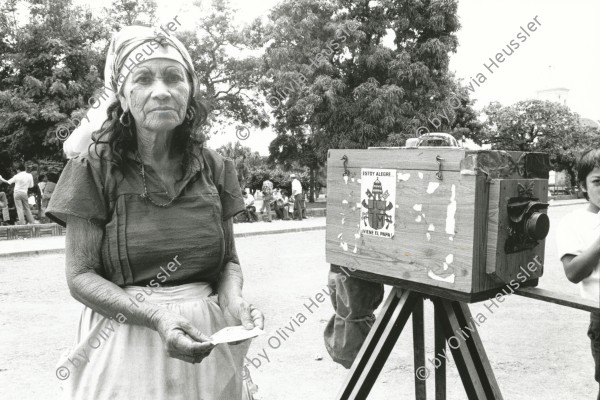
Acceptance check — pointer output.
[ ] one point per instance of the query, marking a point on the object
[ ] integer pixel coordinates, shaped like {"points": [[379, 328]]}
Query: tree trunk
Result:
{"points": [[311, 186], [571, 173]]}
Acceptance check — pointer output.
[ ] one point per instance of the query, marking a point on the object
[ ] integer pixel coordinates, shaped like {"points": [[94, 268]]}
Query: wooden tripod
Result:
{"points": [[450, 317]]}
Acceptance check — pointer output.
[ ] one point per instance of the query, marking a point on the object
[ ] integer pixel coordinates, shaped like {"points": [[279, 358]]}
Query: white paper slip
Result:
{"points": [[234, 334]]}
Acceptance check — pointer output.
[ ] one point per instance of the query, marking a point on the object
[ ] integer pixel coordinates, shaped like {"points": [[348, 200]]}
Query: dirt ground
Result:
{"points": [[537, 350]]}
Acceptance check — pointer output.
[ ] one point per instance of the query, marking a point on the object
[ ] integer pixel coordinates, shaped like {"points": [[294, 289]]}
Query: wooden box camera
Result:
{"points": [[447, 222]]}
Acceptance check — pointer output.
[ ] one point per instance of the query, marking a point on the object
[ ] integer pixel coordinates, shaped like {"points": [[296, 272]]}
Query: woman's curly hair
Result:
{"points": [[120, 139]]}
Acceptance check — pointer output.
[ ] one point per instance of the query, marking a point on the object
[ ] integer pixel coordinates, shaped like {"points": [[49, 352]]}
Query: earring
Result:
{"points": [[189, 115], [121, 119]]}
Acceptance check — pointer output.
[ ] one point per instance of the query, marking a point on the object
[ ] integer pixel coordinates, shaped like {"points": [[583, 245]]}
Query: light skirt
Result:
{"points": [[129, 362]]}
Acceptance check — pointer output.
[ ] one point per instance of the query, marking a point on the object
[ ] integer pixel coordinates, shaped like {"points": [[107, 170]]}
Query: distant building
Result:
{"points": [[590, 122], [559, 181], [560, 94], [557, 95]]}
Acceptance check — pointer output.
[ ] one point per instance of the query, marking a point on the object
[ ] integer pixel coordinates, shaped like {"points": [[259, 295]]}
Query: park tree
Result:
{"points": [[227, 73], [131, 12], [246, 161], [296, 149], [234, 150], [331, 69], [456, 116], [54, 63], [463, 117], [538, 125], [49, 68], [572, 146], [528, 125], [8, 32]]}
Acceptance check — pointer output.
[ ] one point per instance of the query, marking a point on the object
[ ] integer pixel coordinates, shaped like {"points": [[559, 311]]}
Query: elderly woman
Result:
{"points": [[149, 248]]}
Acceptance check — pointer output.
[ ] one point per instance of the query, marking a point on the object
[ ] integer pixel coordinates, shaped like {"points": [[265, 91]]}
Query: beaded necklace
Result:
{"points": [[146, 195]]}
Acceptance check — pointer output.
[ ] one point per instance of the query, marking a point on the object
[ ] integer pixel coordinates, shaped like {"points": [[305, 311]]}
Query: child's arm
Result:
{"points": [[577, 268]]}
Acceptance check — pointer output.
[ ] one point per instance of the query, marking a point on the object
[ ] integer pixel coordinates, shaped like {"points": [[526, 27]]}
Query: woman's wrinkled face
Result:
{"points": [[156, 93]]}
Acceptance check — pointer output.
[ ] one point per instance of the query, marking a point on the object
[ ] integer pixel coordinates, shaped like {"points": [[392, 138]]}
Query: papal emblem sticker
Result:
{"points": [[378, 200]]}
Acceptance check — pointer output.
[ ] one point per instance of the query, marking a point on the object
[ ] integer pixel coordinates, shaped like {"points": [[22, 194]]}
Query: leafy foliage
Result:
{"points": [[234, 151], [131, 12], [48, 70], [237, 152], [228, 80], [325, 68], [537, 125], [334, 83]]}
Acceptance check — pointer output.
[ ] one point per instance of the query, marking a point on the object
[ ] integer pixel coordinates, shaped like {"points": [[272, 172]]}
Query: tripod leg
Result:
{"points": [[468, 352], [440, 348], [421, 372], [476, 347], [378, 345]]}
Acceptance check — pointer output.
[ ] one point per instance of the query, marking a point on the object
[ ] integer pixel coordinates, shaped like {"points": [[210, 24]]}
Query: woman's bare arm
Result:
{"points": [[83, 255], [83, 259], [232, 279]]}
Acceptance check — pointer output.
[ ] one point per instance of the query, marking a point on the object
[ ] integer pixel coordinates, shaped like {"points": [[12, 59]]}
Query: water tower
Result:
{"points": [[552, 88]]}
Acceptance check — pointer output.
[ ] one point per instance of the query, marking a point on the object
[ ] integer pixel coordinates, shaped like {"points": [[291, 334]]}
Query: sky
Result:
{"points": [[562, 52]]}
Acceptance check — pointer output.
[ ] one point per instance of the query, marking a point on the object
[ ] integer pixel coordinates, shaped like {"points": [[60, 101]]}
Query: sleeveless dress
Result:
{"points": [[169, 256]]}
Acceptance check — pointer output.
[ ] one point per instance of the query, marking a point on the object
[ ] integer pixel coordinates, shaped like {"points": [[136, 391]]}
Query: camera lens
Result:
{"points": [[538, 226]]}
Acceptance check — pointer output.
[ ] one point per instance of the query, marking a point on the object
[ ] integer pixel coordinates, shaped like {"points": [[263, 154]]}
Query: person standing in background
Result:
{"points": [[4, 207], [267, 192], [304, 206], [23, 181], [297, 196], [242, 172], [42, 182], [35, 173], [41, 185]]}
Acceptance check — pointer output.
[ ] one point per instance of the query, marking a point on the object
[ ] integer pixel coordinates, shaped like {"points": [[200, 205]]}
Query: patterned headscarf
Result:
{"points": [[136, 44], [128, 48]]}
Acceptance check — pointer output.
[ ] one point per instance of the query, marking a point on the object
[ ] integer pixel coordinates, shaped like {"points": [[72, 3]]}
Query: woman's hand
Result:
{"points": [[83, 247], [181, 339], [237, 310]]}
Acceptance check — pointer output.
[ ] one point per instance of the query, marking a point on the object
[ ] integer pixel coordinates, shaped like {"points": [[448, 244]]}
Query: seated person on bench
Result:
{"points": [[250, 208]]}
